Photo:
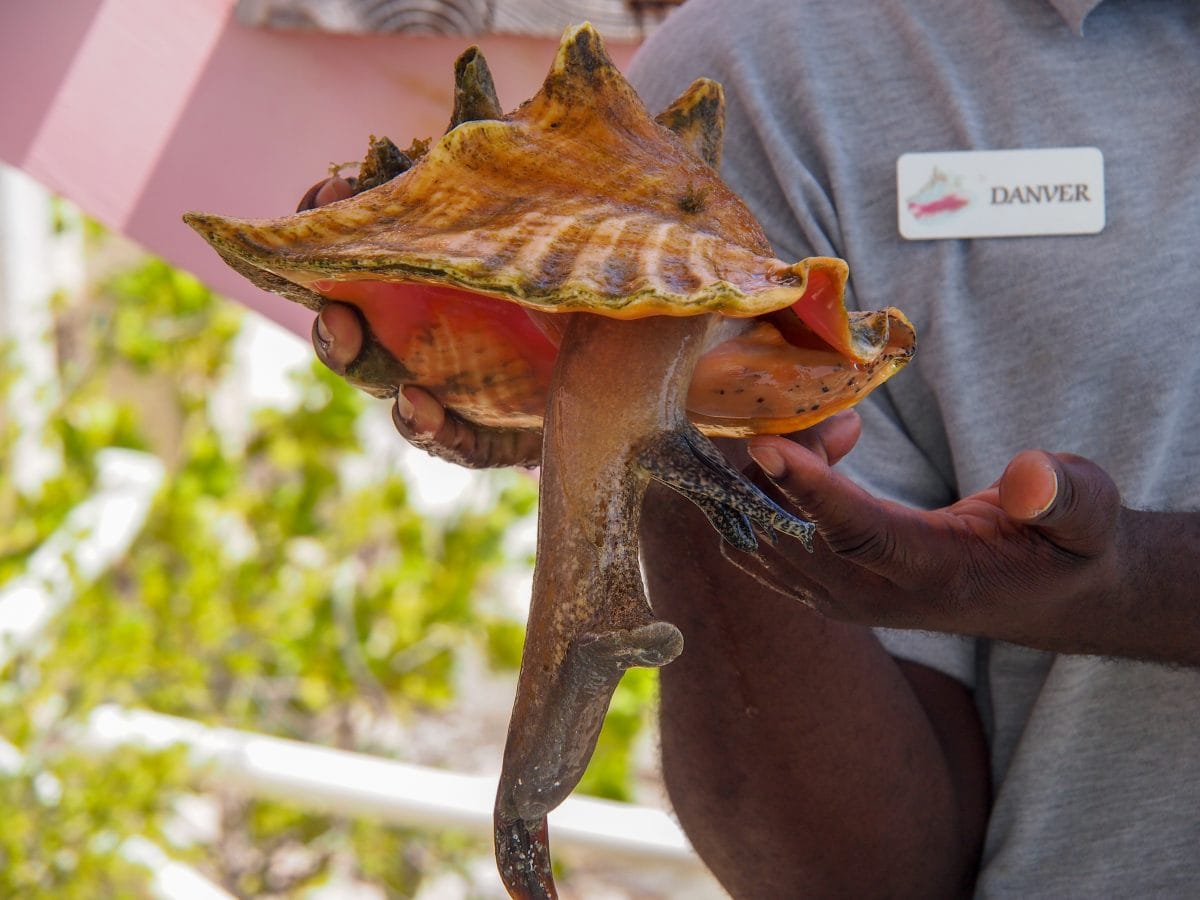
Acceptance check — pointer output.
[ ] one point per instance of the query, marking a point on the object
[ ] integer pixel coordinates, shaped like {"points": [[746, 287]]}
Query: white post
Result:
{"points": [[35, 263]]}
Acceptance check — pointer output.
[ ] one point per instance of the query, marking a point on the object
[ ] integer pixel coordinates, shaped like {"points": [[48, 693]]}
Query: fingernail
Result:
{"points": [[336, 188], [338, 335], [1052, 487], [324, 335], [309, 200], [769, 460], [404, 408]]}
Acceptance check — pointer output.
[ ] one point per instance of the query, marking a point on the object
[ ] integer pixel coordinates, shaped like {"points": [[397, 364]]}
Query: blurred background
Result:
{"points": [[251, 644]]}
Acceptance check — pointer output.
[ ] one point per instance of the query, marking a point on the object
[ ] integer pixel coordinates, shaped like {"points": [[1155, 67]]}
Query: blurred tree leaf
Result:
{"points": [[67, 814]]}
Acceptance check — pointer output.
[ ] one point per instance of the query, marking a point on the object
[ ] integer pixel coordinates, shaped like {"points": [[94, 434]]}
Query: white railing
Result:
{"points": [[357, 784]]}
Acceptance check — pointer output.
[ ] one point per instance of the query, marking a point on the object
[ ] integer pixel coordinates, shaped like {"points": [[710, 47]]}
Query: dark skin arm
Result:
{"points": [[1046, 557], [801, 759]]}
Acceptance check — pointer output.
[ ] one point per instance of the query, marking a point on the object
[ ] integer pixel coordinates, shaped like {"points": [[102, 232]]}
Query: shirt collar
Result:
{"points": [[1073, 12]]}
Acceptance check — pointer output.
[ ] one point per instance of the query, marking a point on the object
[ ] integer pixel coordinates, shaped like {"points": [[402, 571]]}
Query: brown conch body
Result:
{"points": [[578, 266]]}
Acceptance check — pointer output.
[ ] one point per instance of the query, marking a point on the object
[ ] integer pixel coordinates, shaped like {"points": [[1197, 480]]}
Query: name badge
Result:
{"points": [[1000, 193]]}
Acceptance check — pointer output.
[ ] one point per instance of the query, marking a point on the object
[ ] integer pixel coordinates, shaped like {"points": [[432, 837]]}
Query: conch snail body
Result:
{"points": [[577, 265]]}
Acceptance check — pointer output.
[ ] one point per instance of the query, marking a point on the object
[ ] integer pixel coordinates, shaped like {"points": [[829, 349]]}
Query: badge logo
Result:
{"points": [[941, 196]]}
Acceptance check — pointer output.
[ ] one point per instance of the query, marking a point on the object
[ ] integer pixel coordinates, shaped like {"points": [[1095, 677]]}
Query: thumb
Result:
{"points": [[1071, 500]]}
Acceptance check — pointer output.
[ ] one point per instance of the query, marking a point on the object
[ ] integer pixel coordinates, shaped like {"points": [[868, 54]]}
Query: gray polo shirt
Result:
{"points": [[1087, 344]]}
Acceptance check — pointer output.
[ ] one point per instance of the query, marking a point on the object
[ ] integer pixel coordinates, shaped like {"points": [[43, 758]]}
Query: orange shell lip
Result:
{"points": [[492, 360], [394, 307]]}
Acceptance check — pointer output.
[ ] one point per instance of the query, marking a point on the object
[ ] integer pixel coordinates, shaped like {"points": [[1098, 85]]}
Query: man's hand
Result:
{"points": [[1015, 557], [421, 420], [337, 338], [1045, 557]]}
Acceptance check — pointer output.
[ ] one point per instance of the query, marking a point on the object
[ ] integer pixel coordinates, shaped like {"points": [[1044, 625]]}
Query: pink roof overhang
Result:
{"points": [[139, 110]]}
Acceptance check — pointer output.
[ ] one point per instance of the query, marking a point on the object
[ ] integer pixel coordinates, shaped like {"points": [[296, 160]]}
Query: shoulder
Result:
{"points": [[724, 41]]}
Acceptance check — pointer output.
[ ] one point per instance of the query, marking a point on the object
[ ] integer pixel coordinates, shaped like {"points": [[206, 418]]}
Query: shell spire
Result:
{"points": [[583, 69], [474, 92], [697, 118]]}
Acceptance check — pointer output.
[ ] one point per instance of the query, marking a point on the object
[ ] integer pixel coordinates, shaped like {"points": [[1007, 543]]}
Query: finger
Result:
{"points": [[1070, 499], [419, 416], [425, 423], [336, 188], [327, 190], [856, 526], [830, 440], [839, 434], [337, 336]]}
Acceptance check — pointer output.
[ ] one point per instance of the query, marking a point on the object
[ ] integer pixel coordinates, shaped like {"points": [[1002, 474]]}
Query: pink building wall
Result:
{"points": [[139, 110]]}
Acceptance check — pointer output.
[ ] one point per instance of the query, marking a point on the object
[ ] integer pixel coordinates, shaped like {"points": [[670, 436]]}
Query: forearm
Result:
{"points": [[1144, 603], [796, 753]]}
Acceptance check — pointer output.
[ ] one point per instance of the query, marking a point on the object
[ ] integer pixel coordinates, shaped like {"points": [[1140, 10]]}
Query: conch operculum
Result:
{"points": [[578, 265]]}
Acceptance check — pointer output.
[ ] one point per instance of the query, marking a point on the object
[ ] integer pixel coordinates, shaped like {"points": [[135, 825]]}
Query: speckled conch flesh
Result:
{"points": [[578, 266]]}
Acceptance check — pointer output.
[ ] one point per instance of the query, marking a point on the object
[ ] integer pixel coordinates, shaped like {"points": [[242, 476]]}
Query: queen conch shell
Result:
{"points": [[578, 266]]}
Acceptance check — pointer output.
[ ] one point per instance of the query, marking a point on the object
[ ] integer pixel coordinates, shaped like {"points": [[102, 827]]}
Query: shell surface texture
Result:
{"points": [[577, 267]]}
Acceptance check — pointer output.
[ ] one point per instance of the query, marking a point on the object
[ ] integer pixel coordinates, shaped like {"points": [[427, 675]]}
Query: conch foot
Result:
{"points": [[686, 461], [523, 857], [565, 730], [549, 757]]}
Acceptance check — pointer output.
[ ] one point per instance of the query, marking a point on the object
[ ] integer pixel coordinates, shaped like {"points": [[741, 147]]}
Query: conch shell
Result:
{"points": [[578, 266]]}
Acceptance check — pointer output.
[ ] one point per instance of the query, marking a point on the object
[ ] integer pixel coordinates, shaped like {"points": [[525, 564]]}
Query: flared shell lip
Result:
{"points": [[783, 285]]}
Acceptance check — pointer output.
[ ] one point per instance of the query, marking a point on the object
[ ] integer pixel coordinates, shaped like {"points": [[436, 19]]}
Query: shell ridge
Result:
{"points": [[538, 242], [599, 248], [651, 257]]}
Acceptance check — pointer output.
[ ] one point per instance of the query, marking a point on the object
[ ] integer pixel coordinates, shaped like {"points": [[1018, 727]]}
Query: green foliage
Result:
{"points": [[609, 772], [27, 520], [267, 590], [165, 322], [62, 836]]}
